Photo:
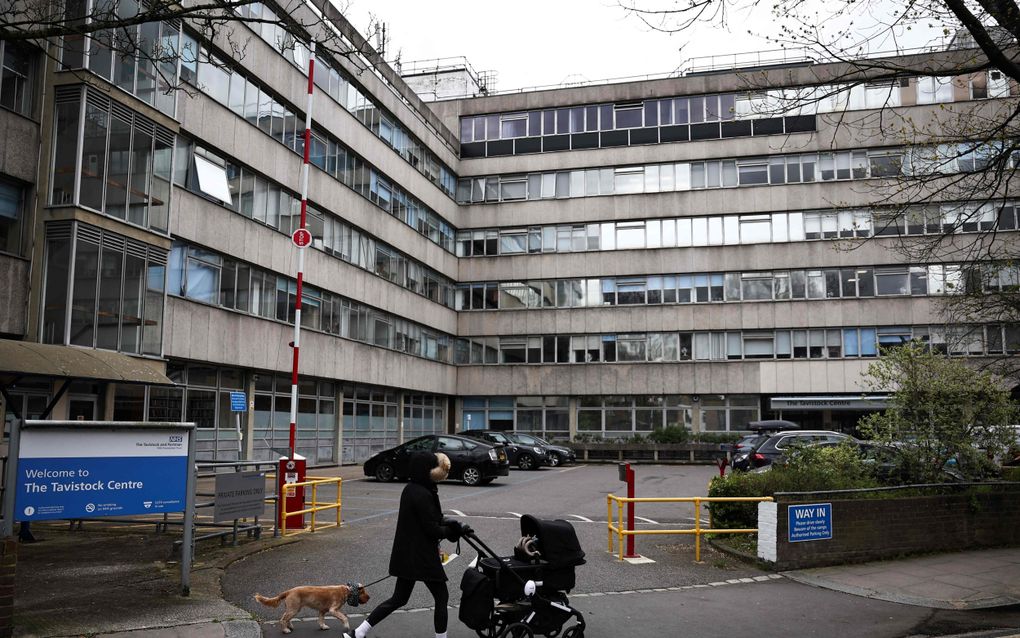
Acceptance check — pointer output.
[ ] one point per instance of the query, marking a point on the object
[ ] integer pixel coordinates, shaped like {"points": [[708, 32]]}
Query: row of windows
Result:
{"points": [[208, 277], [102, 290], [141, 59], [110, 159], [827, 283], [339, 85], [250, 100], [684, 232], [668, 347], [637, 136], [773, 170], [17, 77], [255, 197], [622, 415], [644, 116]]}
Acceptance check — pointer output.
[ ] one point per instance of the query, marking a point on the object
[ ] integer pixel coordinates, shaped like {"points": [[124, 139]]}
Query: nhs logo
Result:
{"points": [[810, 522]]}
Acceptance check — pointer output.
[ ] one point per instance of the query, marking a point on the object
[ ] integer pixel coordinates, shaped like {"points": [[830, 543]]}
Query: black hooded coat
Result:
{"points": [[420, 525]]}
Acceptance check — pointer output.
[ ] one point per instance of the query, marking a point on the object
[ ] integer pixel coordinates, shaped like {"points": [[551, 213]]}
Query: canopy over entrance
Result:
{"points": [[27, 359]]}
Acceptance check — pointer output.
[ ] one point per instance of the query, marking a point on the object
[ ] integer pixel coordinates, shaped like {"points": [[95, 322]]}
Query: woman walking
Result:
{"points": [[415, 554]]}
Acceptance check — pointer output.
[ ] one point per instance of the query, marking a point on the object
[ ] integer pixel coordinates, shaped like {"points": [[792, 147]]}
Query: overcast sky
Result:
{"points": [[547, 42]]}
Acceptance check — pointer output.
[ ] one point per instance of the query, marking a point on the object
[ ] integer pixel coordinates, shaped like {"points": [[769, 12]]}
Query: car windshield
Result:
{"points": [[498, 438]]}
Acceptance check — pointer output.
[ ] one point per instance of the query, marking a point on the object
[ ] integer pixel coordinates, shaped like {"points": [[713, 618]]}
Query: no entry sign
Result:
{"points": [[301, 237]]}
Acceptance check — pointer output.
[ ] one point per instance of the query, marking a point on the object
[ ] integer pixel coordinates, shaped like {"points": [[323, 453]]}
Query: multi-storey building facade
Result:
{"points": [[601, 260]]}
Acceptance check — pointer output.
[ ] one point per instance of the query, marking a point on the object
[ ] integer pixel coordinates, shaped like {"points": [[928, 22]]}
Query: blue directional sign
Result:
{"points": [[238, 402], [810, 522], [72, 473]]}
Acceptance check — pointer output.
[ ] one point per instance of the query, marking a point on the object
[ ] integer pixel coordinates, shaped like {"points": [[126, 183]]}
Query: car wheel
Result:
{"points": [[526, 462], [554, 460], [384, 473], [471, 476]]}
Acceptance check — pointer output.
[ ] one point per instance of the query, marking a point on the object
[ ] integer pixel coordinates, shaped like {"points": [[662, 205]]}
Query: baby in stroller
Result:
{"points": [[524, 595]]}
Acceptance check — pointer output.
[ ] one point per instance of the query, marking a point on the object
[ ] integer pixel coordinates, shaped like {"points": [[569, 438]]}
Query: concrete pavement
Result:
{"points": [[97, 582]]}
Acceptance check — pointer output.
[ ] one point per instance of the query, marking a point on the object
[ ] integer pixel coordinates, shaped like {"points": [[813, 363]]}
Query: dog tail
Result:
{"points": [[269, 602]]}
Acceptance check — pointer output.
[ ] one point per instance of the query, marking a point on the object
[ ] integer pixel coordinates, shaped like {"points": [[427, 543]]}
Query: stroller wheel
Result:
{"points": [[574, 632], [517, 630], [495, 628]]}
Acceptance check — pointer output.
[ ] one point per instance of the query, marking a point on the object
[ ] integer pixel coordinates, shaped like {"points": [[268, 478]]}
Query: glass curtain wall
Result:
{"points": [[121, 164], [102, 290], [317, 427]]}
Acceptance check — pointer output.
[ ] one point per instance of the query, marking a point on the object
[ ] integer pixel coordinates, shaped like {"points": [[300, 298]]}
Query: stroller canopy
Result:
{"points": [[557, 541]]}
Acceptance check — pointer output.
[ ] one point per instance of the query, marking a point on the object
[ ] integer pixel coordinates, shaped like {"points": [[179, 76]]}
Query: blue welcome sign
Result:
{"points": [[810, 522], [85, 473]]}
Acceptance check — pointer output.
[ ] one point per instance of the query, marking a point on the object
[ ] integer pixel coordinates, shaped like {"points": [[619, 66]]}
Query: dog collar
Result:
{"points": [[354, 594]]}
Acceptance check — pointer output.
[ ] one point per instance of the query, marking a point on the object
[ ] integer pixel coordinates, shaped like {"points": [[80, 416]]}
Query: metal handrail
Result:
{"points": [[316, 505], [698, 530]]}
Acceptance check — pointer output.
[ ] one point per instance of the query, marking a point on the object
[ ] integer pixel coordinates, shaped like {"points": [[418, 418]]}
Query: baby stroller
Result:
{"points": [[524, 595]]}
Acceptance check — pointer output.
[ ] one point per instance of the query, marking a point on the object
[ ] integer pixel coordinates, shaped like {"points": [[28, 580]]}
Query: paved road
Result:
{"points": [[718, 597]]}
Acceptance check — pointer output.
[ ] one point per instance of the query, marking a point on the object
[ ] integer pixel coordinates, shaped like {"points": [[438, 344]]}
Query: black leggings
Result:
{"points": [[402, 593]]}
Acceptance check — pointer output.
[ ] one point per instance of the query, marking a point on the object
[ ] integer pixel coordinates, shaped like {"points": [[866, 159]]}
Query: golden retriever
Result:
{"points": [[325, 600]]}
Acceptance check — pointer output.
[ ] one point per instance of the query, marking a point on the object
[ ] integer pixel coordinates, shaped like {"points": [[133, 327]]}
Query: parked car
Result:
{"points": [[557, 454], [472, 461], [523, 455], [773, 447], [761, 430]]}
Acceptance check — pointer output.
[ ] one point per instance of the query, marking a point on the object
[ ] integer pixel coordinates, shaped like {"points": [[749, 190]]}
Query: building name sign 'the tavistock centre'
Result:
{"points": [[83, 472]]}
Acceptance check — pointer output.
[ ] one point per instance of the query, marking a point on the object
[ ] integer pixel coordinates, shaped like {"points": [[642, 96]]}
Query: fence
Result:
{"points": [[314, 505], [618, 530]]}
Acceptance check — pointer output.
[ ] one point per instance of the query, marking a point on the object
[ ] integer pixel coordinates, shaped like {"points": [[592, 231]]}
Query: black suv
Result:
{"points": [[472, 461], [773, 447], [523, 455]]}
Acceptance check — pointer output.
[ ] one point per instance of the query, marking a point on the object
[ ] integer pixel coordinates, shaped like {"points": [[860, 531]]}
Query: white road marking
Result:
{"points": [[458, 512], [584, 519], [647, 520], [515, 514]]}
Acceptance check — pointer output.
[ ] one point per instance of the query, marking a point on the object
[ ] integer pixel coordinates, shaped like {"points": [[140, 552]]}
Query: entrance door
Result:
{"points": [[82, 409]]}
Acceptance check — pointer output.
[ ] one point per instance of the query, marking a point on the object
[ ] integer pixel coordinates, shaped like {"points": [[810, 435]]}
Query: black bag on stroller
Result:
{"points": [[547, 555]]}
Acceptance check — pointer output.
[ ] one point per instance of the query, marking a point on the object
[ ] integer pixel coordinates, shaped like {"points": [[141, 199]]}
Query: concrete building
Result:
{"points": [[601, 260]]}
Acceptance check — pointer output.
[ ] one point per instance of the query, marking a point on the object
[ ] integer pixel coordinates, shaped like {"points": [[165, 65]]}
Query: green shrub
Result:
{"points": [[717, 437], [809, 469], [671, 434], [1011, 474]]}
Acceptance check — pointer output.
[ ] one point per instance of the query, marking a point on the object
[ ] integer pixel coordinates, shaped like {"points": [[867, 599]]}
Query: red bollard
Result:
{"points": [[722, 463], [627, 474]]}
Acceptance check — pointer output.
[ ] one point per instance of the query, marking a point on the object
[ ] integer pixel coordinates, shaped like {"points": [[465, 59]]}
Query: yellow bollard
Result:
{"points": [[697, 530]]}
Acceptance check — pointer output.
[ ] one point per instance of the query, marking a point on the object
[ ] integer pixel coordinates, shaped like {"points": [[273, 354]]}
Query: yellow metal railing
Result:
{"points": [[619, 531], [314, 505]]}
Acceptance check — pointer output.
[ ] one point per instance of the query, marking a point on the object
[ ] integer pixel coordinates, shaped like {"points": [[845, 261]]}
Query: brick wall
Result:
{"points": [[872, 529], [8, 562]]}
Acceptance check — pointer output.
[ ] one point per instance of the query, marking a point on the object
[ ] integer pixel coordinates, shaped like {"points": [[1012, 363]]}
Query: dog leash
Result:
{"points": [[376, 581]]}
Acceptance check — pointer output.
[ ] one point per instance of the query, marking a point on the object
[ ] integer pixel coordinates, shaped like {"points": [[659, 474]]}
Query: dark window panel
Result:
{"points": [[740, 128], [800, 123], [674, 134], [473, 149], [527, 145], [708, 131], [584, 140], [768, 126], [644, 136], [614, 138], [499, 147], [556, 143]]}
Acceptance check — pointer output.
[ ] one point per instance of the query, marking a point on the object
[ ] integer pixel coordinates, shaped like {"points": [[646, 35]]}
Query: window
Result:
{"points": [[17, 77], [116, 299], [934, 90], [212, 180], [11, 206], [124, 163]]}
